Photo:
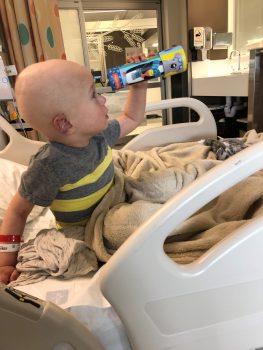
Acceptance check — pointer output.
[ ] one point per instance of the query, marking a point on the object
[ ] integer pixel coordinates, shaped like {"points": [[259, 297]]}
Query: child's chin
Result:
{"points": [[106, 123]]}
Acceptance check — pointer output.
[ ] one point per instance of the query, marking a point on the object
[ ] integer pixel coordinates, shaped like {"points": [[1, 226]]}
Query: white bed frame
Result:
{"points": [[214, 303], [19, 149]]}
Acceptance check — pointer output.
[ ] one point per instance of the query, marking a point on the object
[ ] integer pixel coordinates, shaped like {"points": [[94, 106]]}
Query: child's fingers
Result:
{"points": [[14, 275], [138, 58], [151, 54], [135, 59], [129, 59], [132, 59], [142, 56]]}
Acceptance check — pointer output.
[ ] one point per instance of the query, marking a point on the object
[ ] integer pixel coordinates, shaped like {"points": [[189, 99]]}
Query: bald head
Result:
{"points": [[46, 89]]}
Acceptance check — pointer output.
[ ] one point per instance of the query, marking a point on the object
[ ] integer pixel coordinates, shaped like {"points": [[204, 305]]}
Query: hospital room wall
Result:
{"points": [[212, 14], [178, 17], [215, 14], [174, 19]]}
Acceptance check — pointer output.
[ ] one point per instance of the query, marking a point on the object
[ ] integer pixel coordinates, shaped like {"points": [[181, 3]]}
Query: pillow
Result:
{"points": [[10, 175]]}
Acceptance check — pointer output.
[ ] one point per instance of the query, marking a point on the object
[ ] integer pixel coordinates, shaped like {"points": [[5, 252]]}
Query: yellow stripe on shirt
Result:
{"points": [[69, 205], [60, 224], [92, 177]]}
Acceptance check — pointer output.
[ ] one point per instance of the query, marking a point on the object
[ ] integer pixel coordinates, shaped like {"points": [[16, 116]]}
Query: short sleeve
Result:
{"points": [[112, 133], [39, 184]]}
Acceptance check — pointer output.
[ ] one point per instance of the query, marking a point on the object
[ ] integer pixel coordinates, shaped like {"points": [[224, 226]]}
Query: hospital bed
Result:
{"points": [[213, 303]]}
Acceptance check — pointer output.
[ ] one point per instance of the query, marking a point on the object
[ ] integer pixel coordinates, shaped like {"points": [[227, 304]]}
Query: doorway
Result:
{"points": [[111, 30]]}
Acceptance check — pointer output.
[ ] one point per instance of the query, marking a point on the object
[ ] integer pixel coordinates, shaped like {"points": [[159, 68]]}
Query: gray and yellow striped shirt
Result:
{"points": [[70, 180]]}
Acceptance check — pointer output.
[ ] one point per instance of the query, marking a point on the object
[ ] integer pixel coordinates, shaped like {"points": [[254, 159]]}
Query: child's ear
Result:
{"points": [[61, 123]]}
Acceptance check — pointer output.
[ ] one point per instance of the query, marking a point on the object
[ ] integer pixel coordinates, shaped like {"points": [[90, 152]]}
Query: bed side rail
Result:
{"points": [[215, 300], [205, 127], [40, 324], [19, 149]]}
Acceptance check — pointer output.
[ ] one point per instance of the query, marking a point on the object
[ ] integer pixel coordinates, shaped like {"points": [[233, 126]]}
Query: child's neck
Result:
{"points": [[72, 141]]}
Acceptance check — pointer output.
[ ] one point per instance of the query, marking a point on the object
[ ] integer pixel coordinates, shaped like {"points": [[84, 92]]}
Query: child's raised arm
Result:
{"points": [[134, 108]]}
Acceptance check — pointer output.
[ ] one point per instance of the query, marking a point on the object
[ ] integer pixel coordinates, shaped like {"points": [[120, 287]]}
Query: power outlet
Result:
{"points": [[11, 70]]}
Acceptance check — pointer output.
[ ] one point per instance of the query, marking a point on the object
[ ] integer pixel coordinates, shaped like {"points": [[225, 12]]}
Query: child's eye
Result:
{"points": [[96, 94]]}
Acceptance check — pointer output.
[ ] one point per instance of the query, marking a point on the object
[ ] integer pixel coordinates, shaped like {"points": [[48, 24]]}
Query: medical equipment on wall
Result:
{"points": [[200, 39], [203, 39], [7, 100], [168, 62]]}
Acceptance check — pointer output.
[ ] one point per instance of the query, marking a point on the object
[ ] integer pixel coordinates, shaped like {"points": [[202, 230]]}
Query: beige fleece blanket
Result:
{"points": [[143, 182]]}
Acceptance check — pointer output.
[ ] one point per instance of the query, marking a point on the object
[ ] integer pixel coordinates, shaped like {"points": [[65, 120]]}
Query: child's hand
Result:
{"points": [[8, 274], [136, 59]]}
